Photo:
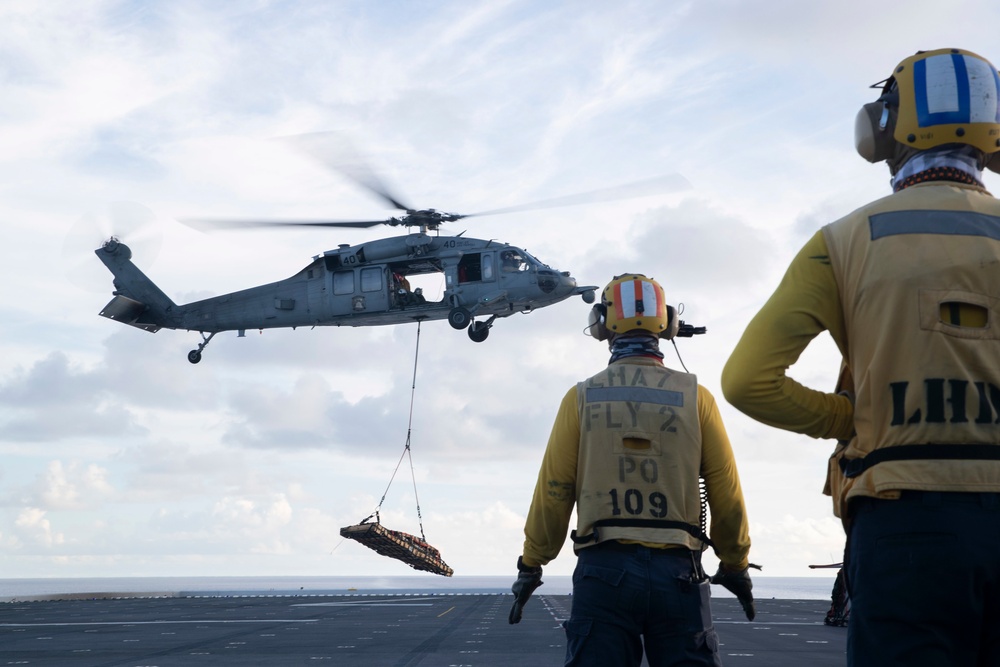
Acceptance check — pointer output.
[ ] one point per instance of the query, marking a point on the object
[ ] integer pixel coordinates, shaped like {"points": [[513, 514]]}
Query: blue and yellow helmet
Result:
{"points": [[933, 98]]}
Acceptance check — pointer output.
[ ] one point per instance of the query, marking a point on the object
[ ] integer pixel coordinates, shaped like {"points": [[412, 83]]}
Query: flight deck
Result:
{"points": [[439, 630]]}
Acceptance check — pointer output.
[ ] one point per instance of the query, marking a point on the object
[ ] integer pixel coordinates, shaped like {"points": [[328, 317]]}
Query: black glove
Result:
{"points": [[738, 583], [528, 579]]}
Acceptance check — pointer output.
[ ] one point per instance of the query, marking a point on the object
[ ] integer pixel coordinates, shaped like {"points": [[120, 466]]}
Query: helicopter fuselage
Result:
{"points": [[362, 285]]}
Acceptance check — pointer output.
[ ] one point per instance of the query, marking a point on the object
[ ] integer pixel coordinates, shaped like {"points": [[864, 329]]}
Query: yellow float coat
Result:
{"points": [[558, 487], [909, 289]]}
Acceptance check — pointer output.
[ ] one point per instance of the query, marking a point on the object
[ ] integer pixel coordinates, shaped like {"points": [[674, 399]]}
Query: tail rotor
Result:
{"points": [[127, 221]]}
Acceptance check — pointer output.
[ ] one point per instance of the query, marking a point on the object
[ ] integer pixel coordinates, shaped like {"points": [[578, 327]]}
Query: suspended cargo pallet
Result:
{"points": [[402, 546]]}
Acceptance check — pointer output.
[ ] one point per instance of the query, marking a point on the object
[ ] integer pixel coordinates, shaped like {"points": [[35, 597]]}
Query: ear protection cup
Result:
{"points": [[673, 324], [596, 322], [873, 129]]}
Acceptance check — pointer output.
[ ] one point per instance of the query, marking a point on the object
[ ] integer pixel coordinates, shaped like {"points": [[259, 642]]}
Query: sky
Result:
{"points": [[119, 458]]}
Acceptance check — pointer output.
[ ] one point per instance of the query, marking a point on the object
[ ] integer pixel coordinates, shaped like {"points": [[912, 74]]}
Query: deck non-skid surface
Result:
{"points": [[360, 630]]}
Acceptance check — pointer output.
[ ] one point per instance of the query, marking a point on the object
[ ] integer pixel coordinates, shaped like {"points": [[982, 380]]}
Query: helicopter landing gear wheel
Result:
{"points": [[194, 356], [459, 317], [479, 331]]}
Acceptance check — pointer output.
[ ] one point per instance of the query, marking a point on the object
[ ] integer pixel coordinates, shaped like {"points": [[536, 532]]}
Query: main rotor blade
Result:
{"points": [[335, 152], [205, 224], [657, 185], [652, 186]]}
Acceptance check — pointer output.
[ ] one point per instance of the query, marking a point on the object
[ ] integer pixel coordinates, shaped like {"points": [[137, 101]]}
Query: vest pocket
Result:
{"points": [[958, 313]]}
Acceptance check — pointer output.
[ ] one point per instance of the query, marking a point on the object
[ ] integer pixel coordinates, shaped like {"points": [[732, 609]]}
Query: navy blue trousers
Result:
{"points": [[628, 597], [924, 578]]}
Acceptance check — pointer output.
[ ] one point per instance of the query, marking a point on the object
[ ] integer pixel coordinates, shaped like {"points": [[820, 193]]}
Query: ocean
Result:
{"points": [[781, 588]]}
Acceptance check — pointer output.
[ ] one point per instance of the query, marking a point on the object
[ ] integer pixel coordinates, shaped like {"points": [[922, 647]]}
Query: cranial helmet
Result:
{"points": [[630, 302], [933, 98]]}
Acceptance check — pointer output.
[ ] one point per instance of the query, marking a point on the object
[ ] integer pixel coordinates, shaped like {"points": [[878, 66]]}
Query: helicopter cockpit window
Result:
{"points": [[371, 279], [512, 260], [532, 260], [343, 282]]}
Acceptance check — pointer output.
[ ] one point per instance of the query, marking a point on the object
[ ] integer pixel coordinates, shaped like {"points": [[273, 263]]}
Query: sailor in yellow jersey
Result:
{"points": [[627, 449], [909, 289]]}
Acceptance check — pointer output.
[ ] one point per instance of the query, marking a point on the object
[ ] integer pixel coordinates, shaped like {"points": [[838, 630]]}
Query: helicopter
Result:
{"points": [[361, 285], [367, 284]]}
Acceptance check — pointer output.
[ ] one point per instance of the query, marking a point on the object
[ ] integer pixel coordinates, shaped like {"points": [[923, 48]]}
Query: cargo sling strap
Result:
{"points": [[930, 452], [410, 549], [406, 448]]}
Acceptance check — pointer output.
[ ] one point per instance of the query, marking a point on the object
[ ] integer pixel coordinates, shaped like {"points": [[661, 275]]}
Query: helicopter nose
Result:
{"points": [[567, 283], [559, 282]]}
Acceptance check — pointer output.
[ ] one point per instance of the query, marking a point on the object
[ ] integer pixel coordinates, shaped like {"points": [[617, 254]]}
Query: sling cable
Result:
{"points": [[410, 549]]}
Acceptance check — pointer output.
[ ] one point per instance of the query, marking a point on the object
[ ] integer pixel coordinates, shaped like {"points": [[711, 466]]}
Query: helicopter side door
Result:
{"points": [[475, 267], [479, 284], [359, 291]]}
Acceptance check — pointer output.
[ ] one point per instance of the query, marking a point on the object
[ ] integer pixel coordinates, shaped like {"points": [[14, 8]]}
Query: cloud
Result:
{"points": [[72, 487], [260, 521], [182, 471], [705, 257], [33, 529], [310, 414], [53, 400]]}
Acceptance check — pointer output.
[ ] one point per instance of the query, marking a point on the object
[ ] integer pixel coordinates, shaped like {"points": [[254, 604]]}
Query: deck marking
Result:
{"points": [[130, 623]]}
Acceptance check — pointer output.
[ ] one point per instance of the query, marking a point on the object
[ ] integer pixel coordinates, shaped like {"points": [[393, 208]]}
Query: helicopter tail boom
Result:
{"points": [[138, 302]]}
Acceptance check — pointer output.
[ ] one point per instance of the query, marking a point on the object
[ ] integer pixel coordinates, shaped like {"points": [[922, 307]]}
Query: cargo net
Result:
{"points": [[404, 547]]}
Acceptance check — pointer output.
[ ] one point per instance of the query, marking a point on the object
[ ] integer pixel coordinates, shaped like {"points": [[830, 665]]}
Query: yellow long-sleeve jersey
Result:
{"points": [[805, 304], [555, 491]]}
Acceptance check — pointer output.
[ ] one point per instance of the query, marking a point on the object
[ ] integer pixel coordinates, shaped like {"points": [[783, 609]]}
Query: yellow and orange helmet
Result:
{"points": [[632, 302]]}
